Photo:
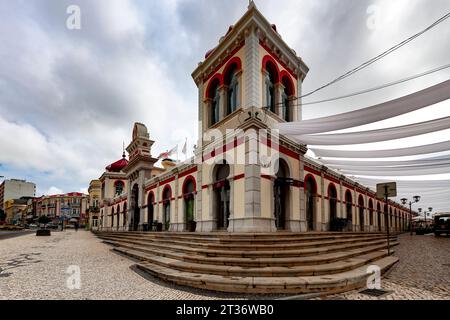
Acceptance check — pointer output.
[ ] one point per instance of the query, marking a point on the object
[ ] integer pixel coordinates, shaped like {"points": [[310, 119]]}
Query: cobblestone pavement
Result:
{"points": [[37, 268], [422, 273]]}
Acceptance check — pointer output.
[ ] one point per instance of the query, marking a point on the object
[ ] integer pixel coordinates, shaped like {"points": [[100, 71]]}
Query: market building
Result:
{"points": [[15, 189], [63, 206], [244, 177]]}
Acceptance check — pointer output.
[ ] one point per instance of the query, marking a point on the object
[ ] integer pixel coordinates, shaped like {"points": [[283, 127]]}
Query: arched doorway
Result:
{"points": [[150, 210], [189, 197], [281, 195], [379, 216], [310, 191], [112, 218], [332, 196], [349, 207], [361, 212], [167, 194], [118, 217], [370, 213], [221, 199], [135, 219]]}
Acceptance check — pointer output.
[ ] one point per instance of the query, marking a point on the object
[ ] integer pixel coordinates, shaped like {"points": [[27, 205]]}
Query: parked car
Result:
{"points": [[441, 224]]}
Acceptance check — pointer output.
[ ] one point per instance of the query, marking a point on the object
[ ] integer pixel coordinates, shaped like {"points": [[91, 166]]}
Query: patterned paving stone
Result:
{"points": [[421, 273]]}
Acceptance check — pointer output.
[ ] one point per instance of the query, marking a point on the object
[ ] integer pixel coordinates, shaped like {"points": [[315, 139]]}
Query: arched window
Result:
{"points": [[371, 212], [112, 217], [167, 194], [282, 195], [231, 81], [119, 187], [361, 212], [118, 216], [125, 214], [214, 95], [348, 205], [310, 190], [288, 92], [379, 216], [188, 195], [270, 81]]}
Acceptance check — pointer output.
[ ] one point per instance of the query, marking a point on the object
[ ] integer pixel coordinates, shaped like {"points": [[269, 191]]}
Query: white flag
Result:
{"points": [[173, 151], [184, 151]]}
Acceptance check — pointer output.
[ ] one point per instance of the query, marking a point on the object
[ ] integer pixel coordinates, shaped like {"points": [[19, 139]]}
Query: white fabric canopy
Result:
{"points": [[386, 110], [411, 151], [398, 171], [411, 184], [352, 163], [376, 135]]}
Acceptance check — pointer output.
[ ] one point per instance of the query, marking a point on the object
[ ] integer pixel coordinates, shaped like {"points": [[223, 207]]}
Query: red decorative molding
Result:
{"points": [[276, 58]]}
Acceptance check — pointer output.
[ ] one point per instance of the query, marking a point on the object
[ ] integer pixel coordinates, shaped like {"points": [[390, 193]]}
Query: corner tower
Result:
{"points": [[138, 170], [246, 84], [251, 67]]}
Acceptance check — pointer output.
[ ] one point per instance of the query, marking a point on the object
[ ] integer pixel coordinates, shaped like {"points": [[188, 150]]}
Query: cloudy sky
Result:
{"points": [[69, 98]]}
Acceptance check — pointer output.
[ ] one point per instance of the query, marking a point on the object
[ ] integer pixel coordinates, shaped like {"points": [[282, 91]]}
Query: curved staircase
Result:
{"points": [[257, 263]]}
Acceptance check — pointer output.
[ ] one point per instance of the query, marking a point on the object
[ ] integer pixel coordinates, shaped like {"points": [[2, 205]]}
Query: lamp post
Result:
{"points": [[405, 201]]}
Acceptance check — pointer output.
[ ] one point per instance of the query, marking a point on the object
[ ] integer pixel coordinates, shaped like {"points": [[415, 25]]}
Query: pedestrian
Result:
{"points": [[76, 226]]}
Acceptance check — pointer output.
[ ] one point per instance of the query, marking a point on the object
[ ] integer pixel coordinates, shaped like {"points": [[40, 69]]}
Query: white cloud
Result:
{"points": [[53, 191]]}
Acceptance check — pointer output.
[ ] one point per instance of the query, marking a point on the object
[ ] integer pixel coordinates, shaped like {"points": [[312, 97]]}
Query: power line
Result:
{"points": [[390, 84], [378, 57]]}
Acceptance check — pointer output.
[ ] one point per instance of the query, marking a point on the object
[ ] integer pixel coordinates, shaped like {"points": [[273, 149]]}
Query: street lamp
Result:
{"points": [[430, 209], [405, 201]]}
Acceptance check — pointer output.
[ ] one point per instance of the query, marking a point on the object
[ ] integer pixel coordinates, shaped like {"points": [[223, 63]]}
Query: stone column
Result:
{"points": [[252, 76], [325, 226]]}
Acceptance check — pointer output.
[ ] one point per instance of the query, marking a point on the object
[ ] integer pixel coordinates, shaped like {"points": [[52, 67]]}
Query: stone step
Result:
{"points": [[333, 283], [247, 247], [250, 262], [248, 253], [273, 271]]}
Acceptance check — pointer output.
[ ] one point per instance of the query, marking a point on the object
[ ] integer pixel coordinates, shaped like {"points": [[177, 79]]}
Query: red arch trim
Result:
{"points": [[185, 182], [268, 58], [167, 186], [220, 76], [148, 197], [331, 185], [285, 75], [360, 199], [310, 176], [234, 60], [117, 181], [351, 197], [214, 79]]}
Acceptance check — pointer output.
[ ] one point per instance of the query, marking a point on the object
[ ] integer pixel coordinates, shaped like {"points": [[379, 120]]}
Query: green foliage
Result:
{"points": [[44, 219]]}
